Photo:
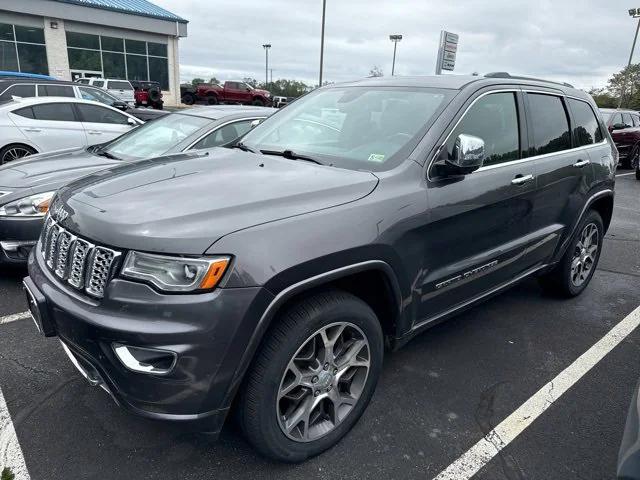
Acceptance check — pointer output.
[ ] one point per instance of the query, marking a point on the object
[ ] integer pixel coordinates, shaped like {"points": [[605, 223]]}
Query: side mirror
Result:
{"points": [[248, 89], [120, 105], [132, 122], [468, 154], [619, 126], [255, 123]]}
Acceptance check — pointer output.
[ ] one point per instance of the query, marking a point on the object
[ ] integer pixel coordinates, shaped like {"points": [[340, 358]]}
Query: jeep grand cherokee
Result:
{"points": [[271, 276]]}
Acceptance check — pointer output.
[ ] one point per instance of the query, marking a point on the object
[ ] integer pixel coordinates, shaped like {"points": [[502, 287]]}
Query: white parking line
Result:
{"points": [[14, 317], [625, 174], [482, 452], [10, 452]]}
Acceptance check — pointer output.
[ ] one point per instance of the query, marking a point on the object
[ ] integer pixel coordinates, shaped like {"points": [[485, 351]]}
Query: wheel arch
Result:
{"points": [[373, 281], [21, 143]]}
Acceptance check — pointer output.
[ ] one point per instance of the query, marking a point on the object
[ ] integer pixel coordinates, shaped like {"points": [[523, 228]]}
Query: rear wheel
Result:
{"points": [[212, 100], [574, 272], [257, 102], [313, 377], [188, 98], [14, 152]]}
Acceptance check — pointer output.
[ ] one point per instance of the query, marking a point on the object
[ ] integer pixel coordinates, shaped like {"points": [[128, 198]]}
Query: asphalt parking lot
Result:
{"points": [[437, 397]]}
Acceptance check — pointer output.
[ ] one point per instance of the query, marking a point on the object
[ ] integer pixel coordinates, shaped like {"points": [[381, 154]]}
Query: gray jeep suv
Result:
{"points": [[272, 276]]}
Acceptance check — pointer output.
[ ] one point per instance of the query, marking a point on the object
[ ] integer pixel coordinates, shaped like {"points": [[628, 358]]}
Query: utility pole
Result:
{"points": [[395, 39], [324, 9], [634, 13]]}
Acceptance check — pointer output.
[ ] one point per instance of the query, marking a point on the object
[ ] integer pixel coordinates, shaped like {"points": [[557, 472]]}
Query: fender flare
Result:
{"points": [[289, 292]]}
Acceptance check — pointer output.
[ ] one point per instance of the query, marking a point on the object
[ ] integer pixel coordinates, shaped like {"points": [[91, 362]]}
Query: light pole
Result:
{"points": [[266, 47], [395, 39], [633, 13], [324, 9]]}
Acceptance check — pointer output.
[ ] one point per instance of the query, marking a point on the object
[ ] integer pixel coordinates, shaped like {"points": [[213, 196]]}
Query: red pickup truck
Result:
{"points": [[230, 92]]}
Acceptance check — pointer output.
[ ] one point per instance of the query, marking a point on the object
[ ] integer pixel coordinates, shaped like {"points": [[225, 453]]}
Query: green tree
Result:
{"points": [[7, 474], [626, 84], [197, 81], [250, 81], [603, 98], [287, 88], [214, 81]]}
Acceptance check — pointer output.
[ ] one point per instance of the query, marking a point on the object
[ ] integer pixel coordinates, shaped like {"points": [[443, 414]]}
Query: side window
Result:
{"points": [[224, 135], [119, 85], [616, 120], [626, 119], [96, 94], [55, 91], [96, 114], [493, 118], [233, 85], [26, 112], [636, 120], [586, 129], [60, 112], [84, 81], [19, 91], [98, 83], [550, 124]]}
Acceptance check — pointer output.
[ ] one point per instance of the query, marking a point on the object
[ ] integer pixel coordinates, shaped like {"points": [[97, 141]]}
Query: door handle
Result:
{"points": [[522, 179], [581, 163], [94, 132], [32, 130]]}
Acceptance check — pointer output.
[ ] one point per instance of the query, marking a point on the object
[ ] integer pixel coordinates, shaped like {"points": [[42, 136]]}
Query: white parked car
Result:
{"points": [[121, 89], [36, 125]]}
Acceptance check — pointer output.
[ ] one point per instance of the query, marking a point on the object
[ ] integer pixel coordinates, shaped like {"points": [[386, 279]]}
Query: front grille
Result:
{"points": [[81, 264]]}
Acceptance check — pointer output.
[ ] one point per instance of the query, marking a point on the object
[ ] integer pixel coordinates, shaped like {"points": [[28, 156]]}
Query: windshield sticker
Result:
{"points": [[376, 157]]}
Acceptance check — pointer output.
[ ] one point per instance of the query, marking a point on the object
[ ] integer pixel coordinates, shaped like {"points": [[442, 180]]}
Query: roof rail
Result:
{"points": [[508, 75]]}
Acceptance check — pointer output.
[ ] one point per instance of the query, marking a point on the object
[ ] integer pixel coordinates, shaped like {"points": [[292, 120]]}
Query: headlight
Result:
{"points": [[267, 94], [33, 206], [175, 274]]}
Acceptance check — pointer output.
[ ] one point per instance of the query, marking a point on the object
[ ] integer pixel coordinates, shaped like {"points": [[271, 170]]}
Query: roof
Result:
{"points": [[142, 8], [219, 111]]}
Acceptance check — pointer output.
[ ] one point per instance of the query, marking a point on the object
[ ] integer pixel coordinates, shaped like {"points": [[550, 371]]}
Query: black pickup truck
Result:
{"points": [[273, 276]]}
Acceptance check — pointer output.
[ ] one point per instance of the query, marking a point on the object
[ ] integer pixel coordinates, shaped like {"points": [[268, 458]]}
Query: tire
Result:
{"points": [[15, 151], [637, 172], [212, 100], [258, 102], [188, 98], [634, 158], [562, 280], [261, 411]]}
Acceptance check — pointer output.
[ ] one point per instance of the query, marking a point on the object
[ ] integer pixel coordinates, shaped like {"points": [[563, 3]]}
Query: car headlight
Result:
{"points": [[175, 274], [267, 94], [32, 206]]}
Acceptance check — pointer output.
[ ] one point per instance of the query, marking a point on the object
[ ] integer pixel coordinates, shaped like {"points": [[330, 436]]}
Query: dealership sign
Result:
{"points": [[447, 51]]}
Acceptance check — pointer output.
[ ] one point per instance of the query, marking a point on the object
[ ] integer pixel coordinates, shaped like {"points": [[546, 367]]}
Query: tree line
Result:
{"points": [[622, 90]]}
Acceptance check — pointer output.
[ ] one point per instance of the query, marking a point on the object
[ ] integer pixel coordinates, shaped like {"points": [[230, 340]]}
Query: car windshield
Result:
{"points": [[360, 128], [155, 138], [97, 95]]}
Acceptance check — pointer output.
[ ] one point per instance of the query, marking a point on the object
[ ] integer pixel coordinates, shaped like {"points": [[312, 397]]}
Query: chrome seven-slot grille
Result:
{"points": [[80, 263]]}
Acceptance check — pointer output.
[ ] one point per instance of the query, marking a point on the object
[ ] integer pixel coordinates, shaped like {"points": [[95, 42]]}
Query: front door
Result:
{"points": [[480, 226]]}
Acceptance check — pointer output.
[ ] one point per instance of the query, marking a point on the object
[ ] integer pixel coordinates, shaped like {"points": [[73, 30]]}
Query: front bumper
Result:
{"points": [[20, 232], [208, 332]]}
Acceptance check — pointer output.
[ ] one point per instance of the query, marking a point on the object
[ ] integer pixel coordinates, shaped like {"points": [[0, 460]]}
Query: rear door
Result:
{"points": [[102, 124], [565, 174], [480, 228], [50, 126]]}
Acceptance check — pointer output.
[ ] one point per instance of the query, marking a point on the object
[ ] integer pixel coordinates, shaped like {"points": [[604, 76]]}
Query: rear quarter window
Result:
{"points": [[549, 123], [586, 129], [23, 91]]}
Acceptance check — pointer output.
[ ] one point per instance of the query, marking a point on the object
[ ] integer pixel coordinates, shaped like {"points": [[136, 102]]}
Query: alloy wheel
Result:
{"points": [[323, 382], [585, 254], [14, 154]]}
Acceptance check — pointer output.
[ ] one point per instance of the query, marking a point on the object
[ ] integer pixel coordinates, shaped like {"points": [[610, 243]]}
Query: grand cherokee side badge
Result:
{"points": [[465, 275]]}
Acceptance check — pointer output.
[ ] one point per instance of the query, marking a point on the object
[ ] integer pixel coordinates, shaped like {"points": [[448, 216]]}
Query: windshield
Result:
{"points": [[361, 128], [97, 95], [155, 138]]}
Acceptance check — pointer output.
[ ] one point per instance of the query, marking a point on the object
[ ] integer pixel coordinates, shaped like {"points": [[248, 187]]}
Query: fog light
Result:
{"points": [[145, 360], [14, 246]]}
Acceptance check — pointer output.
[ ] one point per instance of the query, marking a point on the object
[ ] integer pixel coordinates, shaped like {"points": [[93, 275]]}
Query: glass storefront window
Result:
{"points": [[136, 46], [157, 49], [6, 32], [84, 59], [29, 34], [159, 71], [8, 58], [113, 65], [83, 40], [112, 44], [24, 51], [137, 67]]}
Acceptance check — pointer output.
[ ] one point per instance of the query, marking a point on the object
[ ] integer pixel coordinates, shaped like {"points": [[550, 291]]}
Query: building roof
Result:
{"points": [[133, 7]]}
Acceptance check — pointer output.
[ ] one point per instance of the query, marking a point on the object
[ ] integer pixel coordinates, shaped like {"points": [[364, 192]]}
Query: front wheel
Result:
{"points": [[258, 102], [637, 172], [574, 272], [313, 377]]}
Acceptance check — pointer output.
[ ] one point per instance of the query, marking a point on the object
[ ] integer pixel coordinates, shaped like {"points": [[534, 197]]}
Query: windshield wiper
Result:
{"points": [[104, 153], [243, 147], [291, 155]]}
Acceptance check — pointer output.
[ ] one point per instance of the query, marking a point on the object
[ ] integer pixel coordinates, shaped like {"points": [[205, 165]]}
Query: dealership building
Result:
{"points": [[69, 39]]}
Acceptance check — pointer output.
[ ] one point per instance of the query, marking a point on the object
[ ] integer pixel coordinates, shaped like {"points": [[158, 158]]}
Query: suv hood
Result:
{"points": [[183, 203], [50, 171]]}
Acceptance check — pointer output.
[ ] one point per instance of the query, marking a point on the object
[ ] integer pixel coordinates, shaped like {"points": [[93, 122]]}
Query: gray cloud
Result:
{"points": [[579, 42]]}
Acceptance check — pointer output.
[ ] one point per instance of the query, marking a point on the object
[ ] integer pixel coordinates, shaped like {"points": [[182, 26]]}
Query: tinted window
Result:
{"points": [[233, 85], [157, 49], [95, 114], [159, 71], [112, 44], [113, 65], [8, 57], [19, 91], [98, 83], [29, 34], [119, 85], [55, 91], [493, 118], [26, 112], [136, 46], [617, 119], [6, 31], [33, 58], [586, 129], [224, 135], [84, 59], [137, 67], [550, 124], [61, 112], [626, 119]]}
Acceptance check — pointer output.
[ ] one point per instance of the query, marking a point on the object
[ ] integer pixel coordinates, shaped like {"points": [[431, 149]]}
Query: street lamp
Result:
{"points": [[324, 9], [266, 47], [633, 13], [395, 39]]}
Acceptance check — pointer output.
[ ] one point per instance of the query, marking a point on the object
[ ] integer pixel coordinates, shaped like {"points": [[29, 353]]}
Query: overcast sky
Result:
{"points": [[581, 42]]}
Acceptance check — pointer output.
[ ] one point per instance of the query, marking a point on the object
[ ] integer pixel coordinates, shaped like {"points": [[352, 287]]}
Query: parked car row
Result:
{"points": [[271, 275], [624, 126]]}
